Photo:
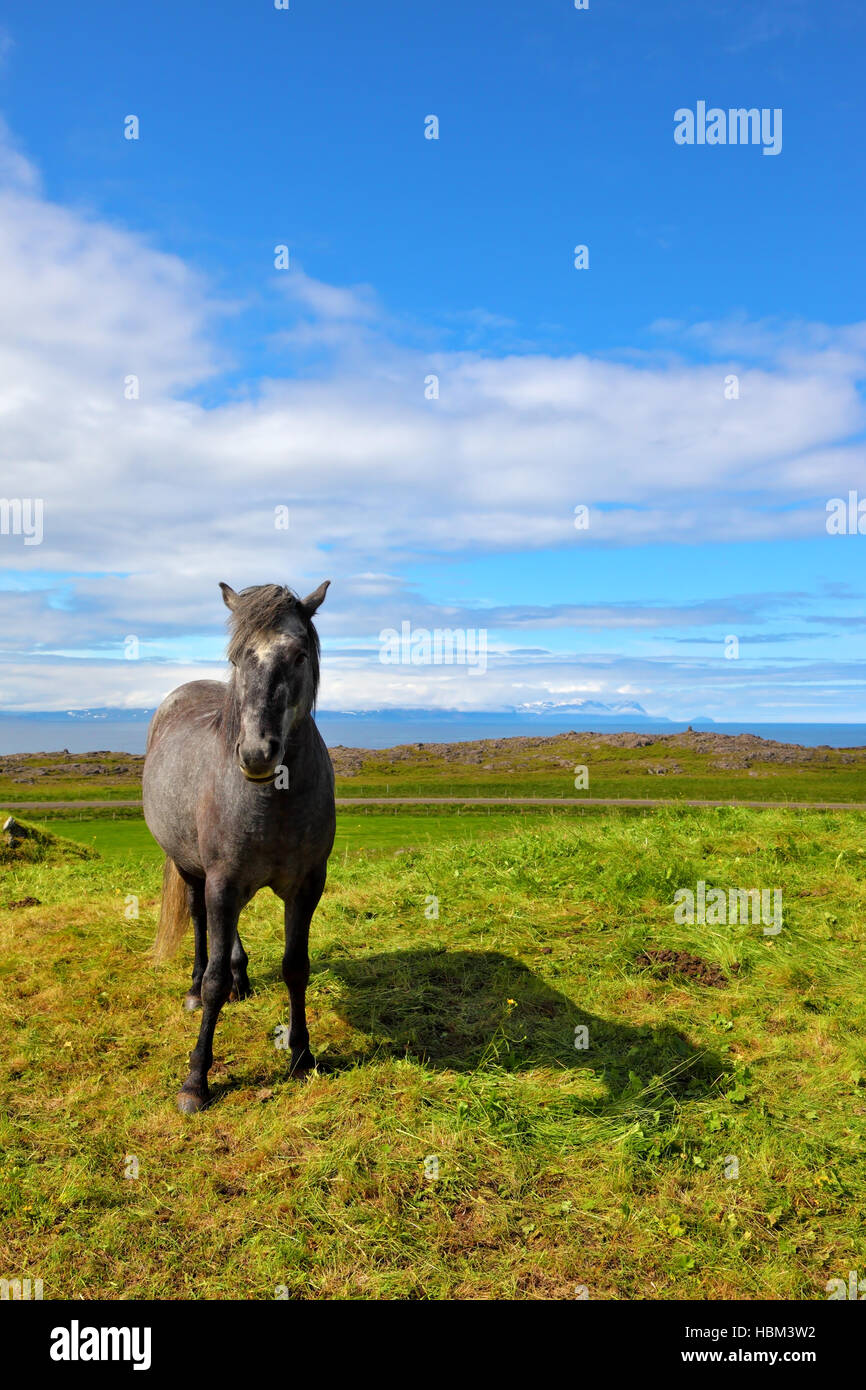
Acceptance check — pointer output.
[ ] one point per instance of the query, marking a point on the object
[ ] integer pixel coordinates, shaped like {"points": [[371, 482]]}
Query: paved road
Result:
{"points": [[647, 803], [61, 805], [590, 801]]}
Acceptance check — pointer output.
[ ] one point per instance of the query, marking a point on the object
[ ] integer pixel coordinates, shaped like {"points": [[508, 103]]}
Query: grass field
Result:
{"points": [[693, 767], [707, 1143], [373, 832], [688, 766], [61, 777]]}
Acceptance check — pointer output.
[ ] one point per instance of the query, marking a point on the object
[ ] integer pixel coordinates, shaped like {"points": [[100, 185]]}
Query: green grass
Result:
{"points": [[125, 839], [547, 767], [128, 837], [517, 767], [452, 1038], [52, 777]]}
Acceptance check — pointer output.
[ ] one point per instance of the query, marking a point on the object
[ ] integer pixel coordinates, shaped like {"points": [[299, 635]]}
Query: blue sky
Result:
{"points": [[454, 256]]}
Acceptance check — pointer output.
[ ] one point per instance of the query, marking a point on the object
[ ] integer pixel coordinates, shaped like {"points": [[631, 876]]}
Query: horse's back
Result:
{"points": [[175, 760], [197, 700]]}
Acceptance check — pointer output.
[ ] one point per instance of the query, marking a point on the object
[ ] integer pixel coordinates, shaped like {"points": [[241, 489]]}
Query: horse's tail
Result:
{"points": [[173, 912]]}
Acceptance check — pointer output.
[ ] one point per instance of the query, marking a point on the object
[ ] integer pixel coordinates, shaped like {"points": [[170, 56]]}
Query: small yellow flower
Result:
{"points": [[512, 1003]]}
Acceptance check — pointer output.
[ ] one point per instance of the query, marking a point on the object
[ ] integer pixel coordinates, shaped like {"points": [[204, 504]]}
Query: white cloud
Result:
{"points": [[678, 687], [169, 496], [328, 301]]}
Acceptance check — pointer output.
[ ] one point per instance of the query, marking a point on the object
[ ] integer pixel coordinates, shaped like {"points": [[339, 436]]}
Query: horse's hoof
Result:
{"points": [[190, 1102], [304, 1062], [192, 1002], [239, 992]]}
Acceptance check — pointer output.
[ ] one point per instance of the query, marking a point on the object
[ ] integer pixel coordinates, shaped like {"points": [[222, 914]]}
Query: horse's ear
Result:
{"points": [[230, 598], [315, 599]]}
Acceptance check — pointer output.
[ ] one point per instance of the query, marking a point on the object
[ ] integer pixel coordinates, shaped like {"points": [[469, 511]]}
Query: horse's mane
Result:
{"points": [[259, 610]]}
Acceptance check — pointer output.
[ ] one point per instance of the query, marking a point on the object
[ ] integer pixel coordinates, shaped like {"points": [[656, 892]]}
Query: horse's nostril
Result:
{"points": [[260, 756]]}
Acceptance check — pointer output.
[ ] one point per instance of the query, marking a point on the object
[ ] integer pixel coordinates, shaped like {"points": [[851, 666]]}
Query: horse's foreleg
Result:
{"points": [[198, 913], [240, 978], [223, 908], [296, 966]]}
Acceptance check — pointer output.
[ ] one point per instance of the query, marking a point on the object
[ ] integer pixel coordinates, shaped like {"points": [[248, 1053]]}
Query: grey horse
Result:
{"points": [[239, 792]]}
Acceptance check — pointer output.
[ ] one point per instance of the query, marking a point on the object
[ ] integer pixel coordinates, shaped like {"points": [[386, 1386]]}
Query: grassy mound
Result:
{"points": [[23, 843]]}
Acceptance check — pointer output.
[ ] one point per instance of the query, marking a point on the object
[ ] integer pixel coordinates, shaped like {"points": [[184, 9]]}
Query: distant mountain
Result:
{"points": [[581, 710], [111, 714], [573, 711], [582, 707]]}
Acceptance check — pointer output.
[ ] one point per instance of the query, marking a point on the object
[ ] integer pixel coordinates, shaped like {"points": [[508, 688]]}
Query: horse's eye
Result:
{"points": [[300, 658]]}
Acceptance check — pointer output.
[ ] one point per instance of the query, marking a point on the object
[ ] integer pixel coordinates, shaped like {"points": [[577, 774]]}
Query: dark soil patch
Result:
{"points": [[666, 963]]}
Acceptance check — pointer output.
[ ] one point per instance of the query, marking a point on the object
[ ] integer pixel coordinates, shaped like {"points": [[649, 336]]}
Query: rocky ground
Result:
{"points": [[29, 768], [492, 755], [725, 751]]}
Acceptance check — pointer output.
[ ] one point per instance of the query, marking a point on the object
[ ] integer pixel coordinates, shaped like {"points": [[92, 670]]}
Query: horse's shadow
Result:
{"points": [[465, 1010]]}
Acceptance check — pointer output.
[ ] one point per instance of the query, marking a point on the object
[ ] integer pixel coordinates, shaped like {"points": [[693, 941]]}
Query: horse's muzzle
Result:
{"points": [[253, 774]]}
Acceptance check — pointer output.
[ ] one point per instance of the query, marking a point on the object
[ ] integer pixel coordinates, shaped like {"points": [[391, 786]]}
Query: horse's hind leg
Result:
{"points": [[198, 913], [296, 966], [240, 979], [223, 908]]}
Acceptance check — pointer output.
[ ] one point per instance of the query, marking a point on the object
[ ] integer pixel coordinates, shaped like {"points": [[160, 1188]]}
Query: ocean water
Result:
{"points": [[50, 736], [29, 735]]}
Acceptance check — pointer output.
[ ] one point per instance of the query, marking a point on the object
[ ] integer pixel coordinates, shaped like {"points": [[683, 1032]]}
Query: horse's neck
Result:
{"points": [[300, 740]]}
